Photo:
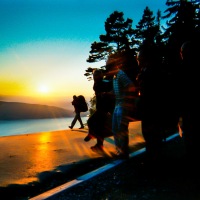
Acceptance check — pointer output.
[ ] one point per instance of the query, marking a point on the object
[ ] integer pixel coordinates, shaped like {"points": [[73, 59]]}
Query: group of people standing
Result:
{"points": [[129, 78], [165, 101]]}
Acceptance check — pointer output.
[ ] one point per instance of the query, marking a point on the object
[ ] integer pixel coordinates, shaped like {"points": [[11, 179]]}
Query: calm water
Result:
{"points": [[16, 127]]}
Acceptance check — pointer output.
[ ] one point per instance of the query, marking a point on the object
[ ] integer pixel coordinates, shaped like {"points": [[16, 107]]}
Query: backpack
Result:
{"points": [[82, 104]]}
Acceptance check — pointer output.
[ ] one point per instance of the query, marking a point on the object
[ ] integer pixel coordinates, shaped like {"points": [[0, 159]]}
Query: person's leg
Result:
{"points": [[115, 127], [94, 125], [153, 136], [99, 136], [120, 131], [79, 119], [191, 137], [73, 121], [91, 126], [90, 135], [98, 129], [100, 141], [99, 145], [123, 122]]}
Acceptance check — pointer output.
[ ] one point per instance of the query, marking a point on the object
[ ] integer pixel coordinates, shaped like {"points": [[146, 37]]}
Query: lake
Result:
{"points": [[16, 127]]}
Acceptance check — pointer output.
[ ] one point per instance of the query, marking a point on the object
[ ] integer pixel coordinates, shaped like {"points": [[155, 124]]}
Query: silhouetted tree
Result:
{"points": [[118, 37], [182, 25], [98, 52], [119, 32], [184, 18], [159, 34], [148, 28]]}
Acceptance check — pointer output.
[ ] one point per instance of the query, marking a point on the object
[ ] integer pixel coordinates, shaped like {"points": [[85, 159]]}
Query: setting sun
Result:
{"points": [[43, 89]]}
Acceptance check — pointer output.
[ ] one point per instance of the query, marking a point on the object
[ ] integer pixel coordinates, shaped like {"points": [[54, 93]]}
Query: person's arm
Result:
{"points": [[130, 94], [130, 89]]}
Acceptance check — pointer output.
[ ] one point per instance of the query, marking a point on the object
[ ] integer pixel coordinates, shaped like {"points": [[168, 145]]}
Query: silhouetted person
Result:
{"points": [[75, 103], [128, 63], [98, 122], [150, 81], [189, 99], [123, 88]]}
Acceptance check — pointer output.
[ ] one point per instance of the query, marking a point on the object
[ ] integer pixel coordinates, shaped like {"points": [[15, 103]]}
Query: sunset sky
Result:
{"points": [[44, 45]]}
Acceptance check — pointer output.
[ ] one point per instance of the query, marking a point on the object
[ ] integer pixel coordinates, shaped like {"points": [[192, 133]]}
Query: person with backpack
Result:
{"points": [[77, 109]]}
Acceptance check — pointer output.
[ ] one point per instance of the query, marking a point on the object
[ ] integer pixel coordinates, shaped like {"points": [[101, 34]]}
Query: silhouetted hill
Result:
{"points": [[15, 110]]}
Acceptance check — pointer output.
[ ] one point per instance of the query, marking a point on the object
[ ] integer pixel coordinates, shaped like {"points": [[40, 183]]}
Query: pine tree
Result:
{"points": [[148, 30], [183, 21], [183, 25], [118, 32], [118, 37]]}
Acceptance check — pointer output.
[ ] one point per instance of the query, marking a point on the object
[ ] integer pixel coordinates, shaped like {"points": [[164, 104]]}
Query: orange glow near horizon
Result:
{"points": [[49, 93], [17, 88], [36, 70]]}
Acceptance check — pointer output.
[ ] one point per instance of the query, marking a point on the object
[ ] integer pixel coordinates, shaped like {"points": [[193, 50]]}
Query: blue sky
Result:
{"points": [[45, 43]]}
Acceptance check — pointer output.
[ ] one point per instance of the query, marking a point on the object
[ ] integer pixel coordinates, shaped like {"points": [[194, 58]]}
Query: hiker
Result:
{"points": [[123, 89], [77, 111], [99, 123]]}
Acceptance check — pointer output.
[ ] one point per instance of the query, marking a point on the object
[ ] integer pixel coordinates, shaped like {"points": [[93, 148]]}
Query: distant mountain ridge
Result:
{"points": [[16, 110]]}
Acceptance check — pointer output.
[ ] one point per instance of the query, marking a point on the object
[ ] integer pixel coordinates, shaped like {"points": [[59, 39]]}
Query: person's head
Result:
{"points": [[113, 64], [97, 75], [189, 50], [186, 50], [143, 58], [148, 56]]}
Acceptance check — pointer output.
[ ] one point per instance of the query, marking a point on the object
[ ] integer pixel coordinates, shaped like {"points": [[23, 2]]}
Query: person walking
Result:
{"points": [[123, 89], [77, 111]]}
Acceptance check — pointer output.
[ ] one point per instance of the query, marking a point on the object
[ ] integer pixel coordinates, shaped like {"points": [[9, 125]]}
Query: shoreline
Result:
{"points": [[30, 126], [32, 154], [35, 163]]}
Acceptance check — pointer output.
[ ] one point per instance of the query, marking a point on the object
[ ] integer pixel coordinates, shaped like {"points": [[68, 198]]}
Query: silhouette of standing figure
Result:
{"points": [[123, 88], [75, 103], [97, 122], [150, 81], [189, 99]]}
